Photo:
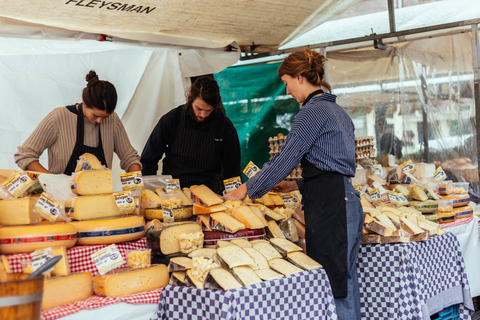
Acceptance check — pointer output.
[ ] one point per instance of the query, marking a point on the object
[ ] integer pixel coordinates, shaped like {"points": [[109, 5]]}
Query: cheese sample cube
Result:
{"points": [[88, 161], [63, 290], [62, 267], [92, 182], [245, 215], [124, 281], [206, 195], [92, 207], [14, 212]]}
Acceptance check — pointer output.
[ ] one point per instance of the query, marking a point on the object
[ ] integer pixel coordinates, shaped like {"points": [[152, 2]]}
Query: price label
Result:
{"points": [[125, 201], [167, 212], [251, 169], [172, 184], [132, 181], [377, 169], [48, 208], [375, 195], [18, 183], [107, 259], [290, 199], [408, 166], [397, 198], [39, 258], [439, 174], [232, 184]]}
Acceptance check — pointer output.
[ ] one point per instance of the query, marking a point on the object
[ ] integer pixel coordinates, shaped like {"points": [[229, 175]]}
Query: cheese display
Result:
{"points": [[92, 182], [107, 231], [221, 279], [459, 200], [284, 267], [124, 281], [245, 215], [92, 207], [28, 238], [138, 258], [303, 261], [165, 241], [234, 256], [205, 195], [88, 161], [58, 291], [14, 212], [245, 275]]}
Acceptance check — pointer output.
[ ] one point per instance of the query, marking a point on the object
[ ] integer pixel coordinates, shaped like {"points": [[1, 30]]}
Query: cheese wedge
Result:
{"points": [[284, 246], [303, 261], [206, 195], [266, 200], [124, 281], [259, 213], [223, 243], [386, 221], [417, 193], [166, 240], [242, 243], [179, 264], [370, 238], [178, 278], [92, 182], [92, 207], [221, 279], [380, 228], [150, 199], [223, 222], [277, 200], [245, 275], [272, 214], [207, 252], [204, 221], [88, 161], [58, 291], [62, 268], [410, 227], [283, 266], [234, 256], [245, 215], [14, 212], [300, 228], [198, 209], [260, 261], [182, 213], [268, 274], [267, 250], [190, 280]]}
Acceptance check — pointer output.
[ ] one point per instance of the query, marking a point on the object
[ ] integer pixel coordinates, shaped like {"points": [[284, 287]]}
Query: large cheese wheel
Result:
{"points": [[24, 239], [92, 207], [94, 232]]}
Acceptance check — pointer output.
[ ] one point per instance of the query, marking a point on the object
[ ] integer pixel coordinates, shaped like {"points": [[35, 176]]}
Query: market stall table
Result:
{"points": [[305, 295], [413, 280]]}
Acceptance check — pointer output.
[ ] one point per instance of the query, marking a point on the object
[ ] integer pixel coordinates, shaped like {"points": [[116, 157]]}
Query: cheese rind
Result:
{"points": [[92, 182], [58, 291], [92, 207], [14, 212], [125, 281]]}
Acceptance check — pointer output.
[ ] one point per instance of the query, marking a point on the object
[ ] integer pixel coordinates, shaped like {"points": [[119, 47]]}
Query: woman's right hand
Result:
{"points": [[286, 186]]}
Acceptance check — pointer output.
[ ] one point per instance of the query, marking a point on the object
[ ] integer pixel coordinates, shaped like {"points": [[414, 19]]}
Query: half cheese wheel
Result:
{"points": [[68, 289], [92, 182], [107, 231], [24, 239]]}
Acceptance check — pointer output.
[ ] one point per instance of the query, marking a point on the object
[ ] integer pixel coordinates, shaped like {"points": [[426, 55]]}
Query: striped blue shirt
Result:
{"points": [[323, 133]]}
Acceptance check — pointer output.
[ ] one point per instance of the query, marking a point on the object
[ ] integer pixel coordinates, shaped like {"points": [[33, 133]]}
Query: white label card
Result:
{"points": [[39, 258], [408, 166], [48, 208], [107, 259], [439, 174], [172, 184], [18, 183], [377, 169], [125, 201], [132, 180], [232, 184], [251, 169]]}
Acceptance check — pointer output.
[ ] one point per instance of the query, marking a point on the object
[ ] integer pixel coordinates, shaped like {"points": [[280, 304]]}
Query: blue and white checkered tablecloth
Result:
{"points": [[305, 295], [413, 280]]}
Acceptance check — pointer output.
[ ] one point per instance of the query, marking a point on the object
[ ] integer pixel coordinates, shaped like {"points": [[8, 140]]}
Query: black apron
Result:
{"points": [[80, 148]]}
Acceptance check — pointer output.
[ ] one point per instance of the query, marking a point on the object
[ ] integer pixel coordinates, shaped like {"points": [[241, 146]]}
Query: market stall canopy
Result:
{"points": [[206, 23]]}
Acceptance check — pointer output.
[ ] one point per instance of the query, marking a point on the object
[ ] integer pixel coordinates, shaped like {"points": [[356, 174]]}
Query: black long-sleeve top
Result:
{"points": [[195, 152]]}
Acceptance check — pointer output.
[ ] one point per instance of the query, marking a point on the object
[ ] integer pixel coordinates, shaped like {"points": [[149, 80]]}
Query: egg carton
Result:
{"points": [[275, 145], [364, 141]]}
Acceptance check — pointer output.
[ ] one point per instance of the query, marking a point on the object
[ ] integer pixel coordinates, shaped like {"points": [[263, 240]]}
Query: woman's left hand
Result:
{"points": [[240, 193]]}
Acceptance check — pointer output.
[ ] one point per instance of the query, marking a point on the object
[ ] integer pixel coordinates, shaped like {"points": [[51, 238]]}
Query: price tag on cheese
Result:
{"points": [[408, 166], [39, 258], [397, 198], [167, 211], [132, 181], [125, 201], [439, 174], [172, 184], [18, 183], [377, 169], [290, 199], [375, 195], [107, 259], [48, 208], [251, 169], [232, 184]]}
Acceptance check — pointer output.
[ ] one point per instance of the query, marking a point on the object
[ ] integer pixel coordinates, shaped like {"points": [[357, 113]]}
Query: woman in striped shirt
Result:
{"points": [[322, 139]]}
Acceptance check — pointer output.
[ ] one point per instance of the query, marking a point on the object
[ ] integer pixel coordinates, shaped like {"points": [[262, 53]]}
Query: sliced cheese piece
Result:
{"points": [[260, 261], [204, 221], [394, 218], [403, 190], [386, 221], [198, 209], [394, 239], [246, 275], [272, 214], [188, 193], [88, 161], [284, 246], [425, 226], [267, 250], [190, 280], [303, 261], [178, 278], [223, 243], [367, 219], [283, 266], [221, 279], [58, 291], [380, 228], [28, 238], [259, 214], [373, 212], [235, 256], [259, 241], [124, 281], [179, 264], [410, 227], [150, 199], [206, 195], [107, 231], [92, 182], [431, 194], [223, 222], [277, 200], [245, 215], [14, 212], [417, 193], [268, 274], [62, 267], [92, 207], [207, 252], [242, 243]]}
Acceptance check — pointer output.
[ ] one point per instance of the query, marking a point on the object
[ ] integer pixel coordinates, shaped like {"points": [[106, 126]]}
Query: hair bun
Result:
{"points": [[91, 78]]}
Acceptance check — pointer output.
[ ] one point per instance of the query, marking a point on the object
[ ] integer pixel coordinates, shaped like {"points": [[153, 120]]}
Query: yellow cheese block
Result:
{"points": [[107, 231], [235, 256], [206, 195], [245, 215], [283, 266], [224, 222], [25, 239], [182, 213], [259, 213], [303, 261], [125, 281], [88, 161], [14, 212], [92, 207], [92, 182], [62, 267], [58, 291], [274, 229]]}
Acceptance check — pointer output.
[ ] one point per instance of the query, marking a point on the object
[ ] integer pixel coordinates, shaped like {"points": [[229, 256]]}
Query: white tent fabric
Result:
{"points": [[37, 76]]}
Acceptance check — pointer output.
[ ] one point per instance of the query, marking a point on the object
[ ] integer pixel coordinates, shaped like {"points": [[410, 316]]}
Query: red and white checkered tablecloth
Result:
{"points": [[79, 256], [95, 302], [456, 222]]}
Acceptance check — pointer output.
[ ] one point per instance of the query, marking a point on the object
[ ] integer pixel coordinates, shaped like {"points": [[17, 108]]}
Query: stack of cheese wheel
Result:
{"points": [[458, 192]]}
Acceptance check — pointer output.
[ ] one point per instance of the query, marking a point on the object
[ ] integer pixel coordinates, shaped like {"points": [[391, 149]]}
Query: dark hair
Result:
{"points": [[99, 94], [307, 63], [207, 89]]}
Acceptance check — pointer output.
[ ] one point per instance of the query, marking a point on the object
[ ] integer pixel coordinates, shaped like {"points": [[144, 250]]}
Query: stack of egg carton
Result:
{"points": [[364, 147], [275, 147]]}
